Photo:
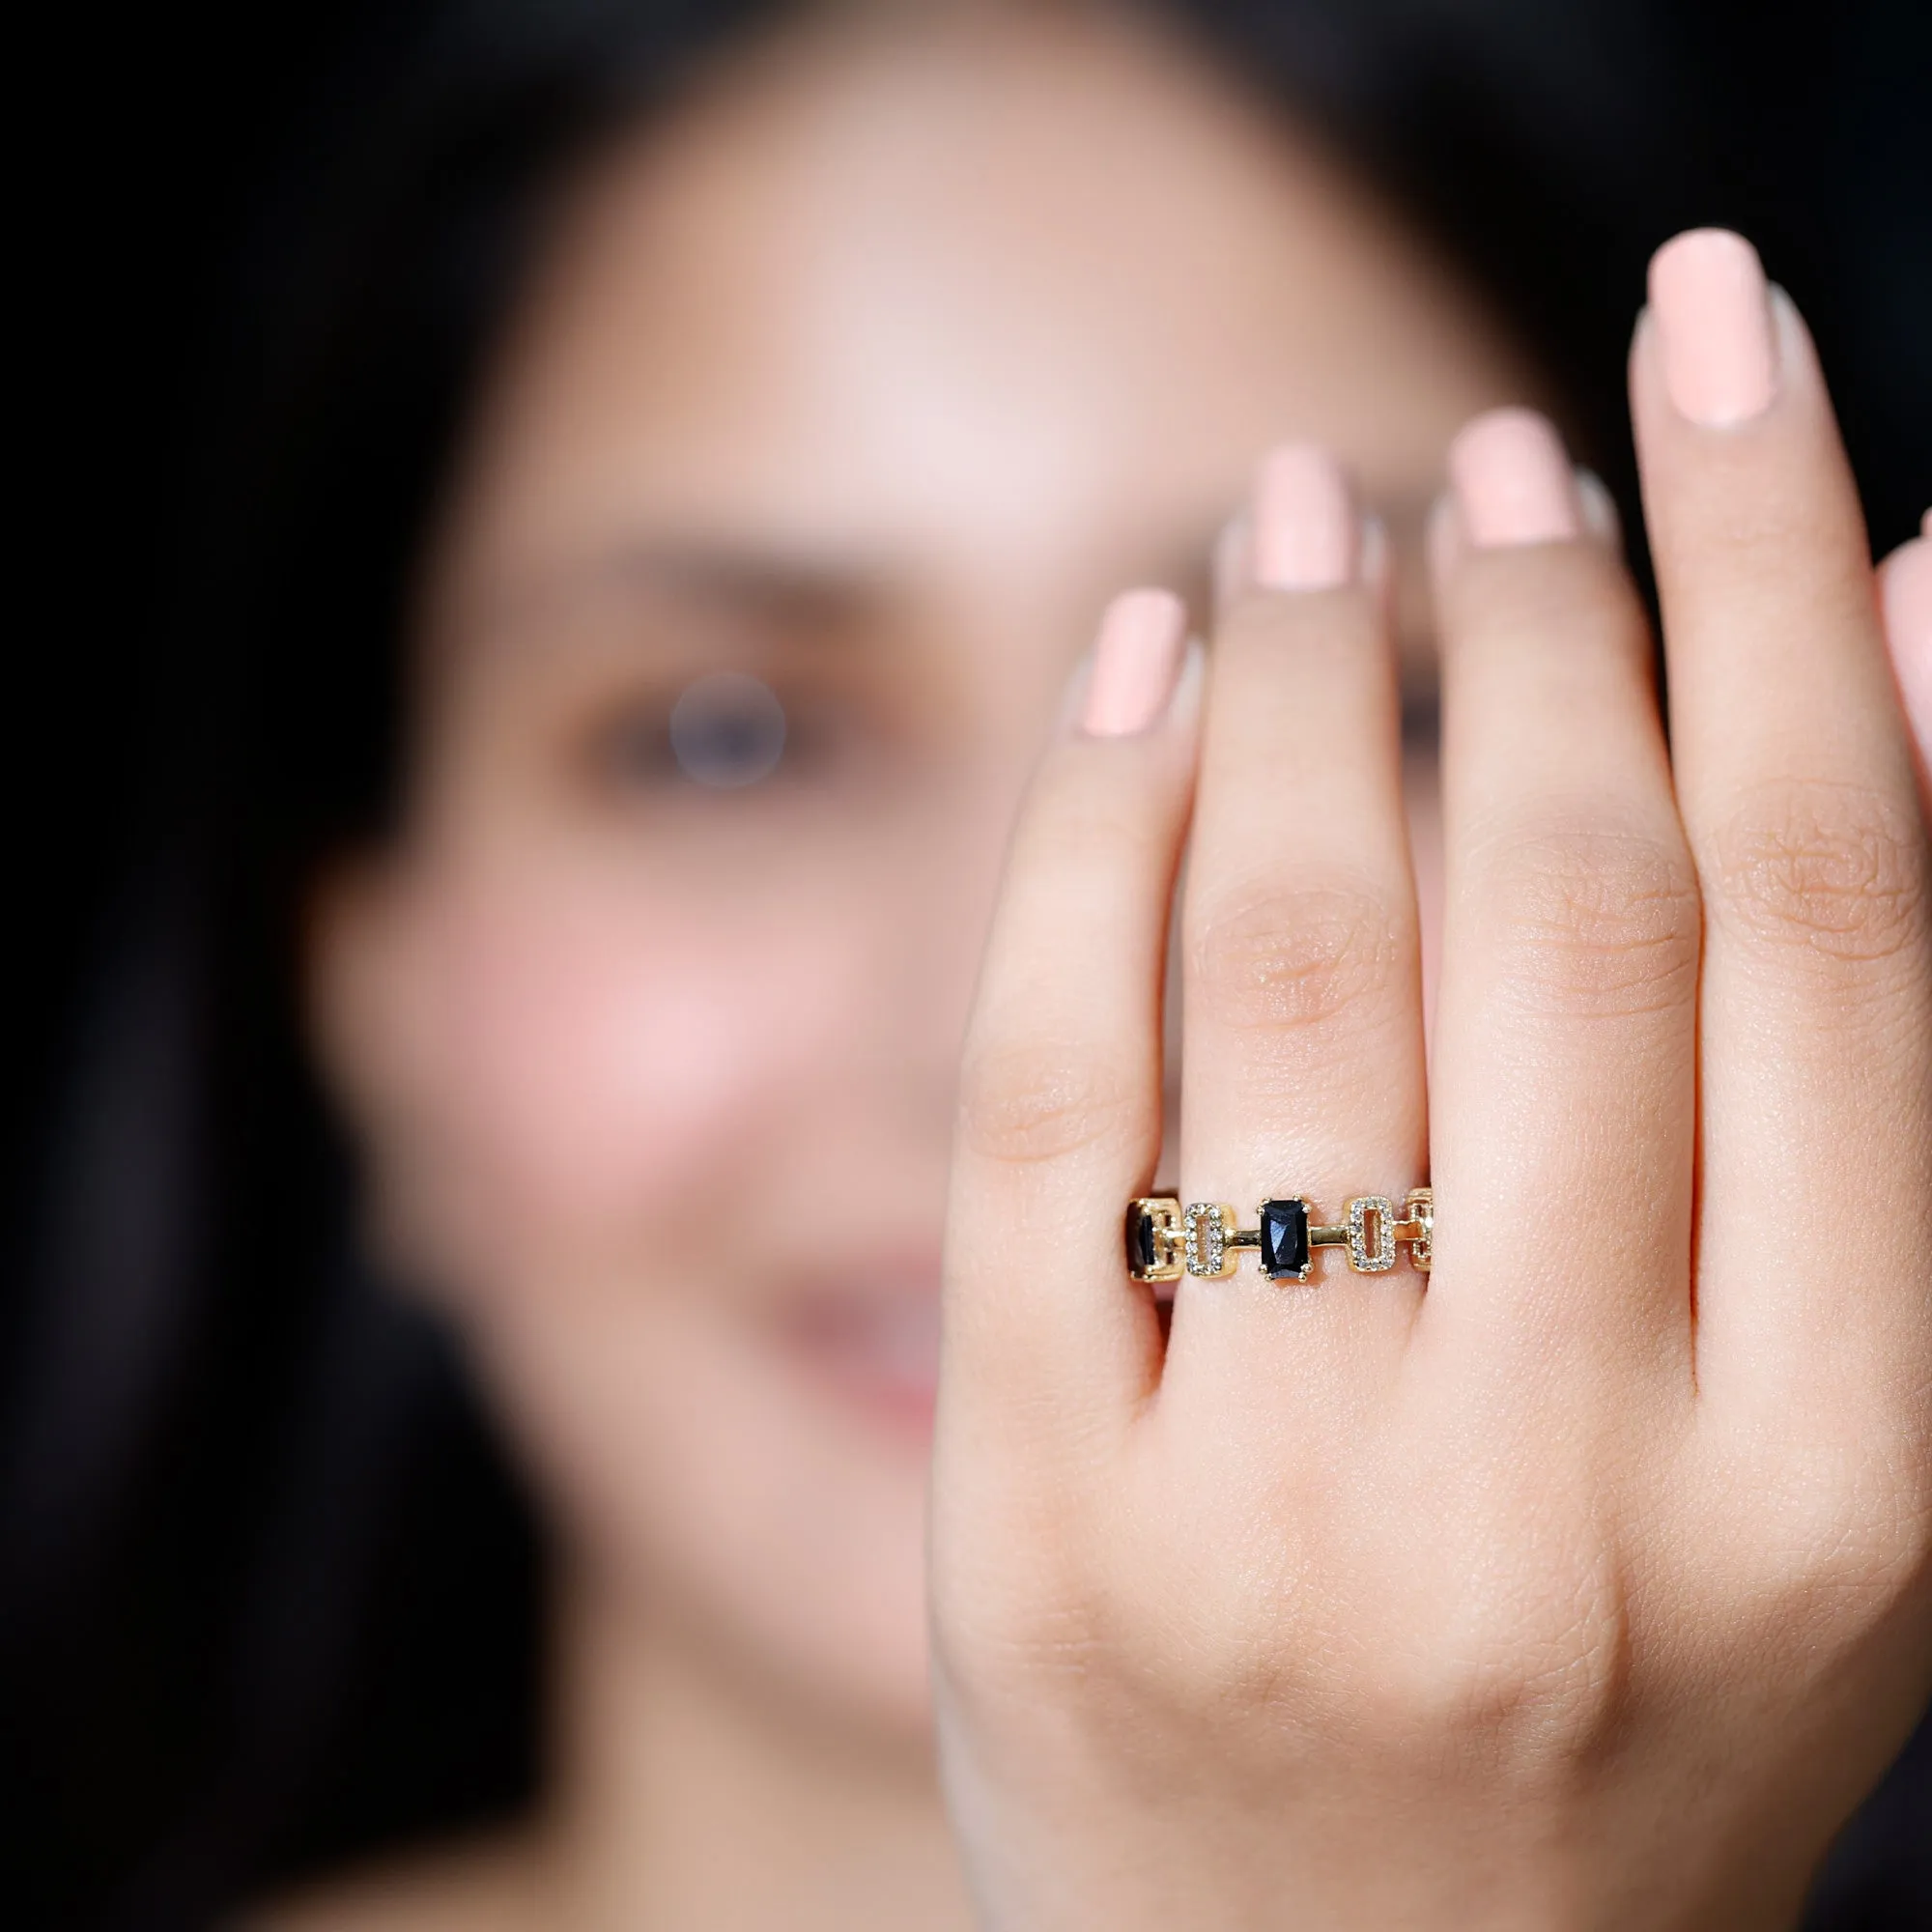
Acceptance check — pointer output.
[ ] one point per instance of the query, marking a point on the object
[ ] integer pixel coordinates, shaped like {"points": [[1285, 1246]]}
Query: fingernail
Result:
{"points": [[1600, 517], [1908, 597], [1907, 582], [1305, 534], [1513, 481], [1135, 660], [1714, 326]]}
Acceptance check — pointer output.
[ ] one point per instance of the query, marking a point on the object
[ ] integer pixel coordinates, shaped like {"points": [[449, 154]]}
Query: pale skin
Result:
{"points": [[1588, 1588], [796, 394]]}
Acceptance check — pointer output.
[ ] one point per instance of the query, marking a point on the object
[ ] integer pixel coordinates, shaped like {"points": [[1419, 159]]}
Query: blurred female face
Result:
{"points": [[840, 402]]}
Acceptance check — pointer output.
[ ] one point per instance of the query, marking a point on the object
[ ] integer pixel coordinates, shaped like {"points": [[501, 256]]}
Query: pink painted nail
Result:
{"points": [[1600, 517], [1306, 534], [1713, 327], [1907, 582], [1513, 483], [1135, 663]]}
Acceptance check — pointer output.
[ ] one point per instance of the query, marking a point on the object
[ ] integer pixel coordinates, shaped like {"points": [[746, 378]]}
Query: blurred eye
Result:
{"points": [[727, 730]]}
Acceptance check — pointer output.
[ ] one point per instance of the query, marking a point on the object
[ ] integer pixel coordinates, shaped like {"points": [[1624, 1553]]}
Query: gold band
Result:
{"points": [[1166, 1240]]}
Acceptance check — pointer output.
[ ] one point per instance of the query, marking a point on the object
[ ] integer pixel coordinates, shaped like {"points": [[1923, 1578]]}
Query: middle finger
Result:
{"points": [[1564, 1086]]}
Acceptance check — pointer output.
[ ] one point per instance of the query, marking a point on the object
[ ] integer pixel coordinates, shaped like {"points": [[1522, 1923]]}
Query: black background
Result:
{"points": [[154, 145], [155, 150]]}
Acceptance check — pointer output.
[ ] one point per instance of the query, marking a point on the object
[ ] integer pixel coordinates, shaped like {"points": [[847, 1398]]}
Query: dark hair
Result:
{"points": [[271, 1599]]}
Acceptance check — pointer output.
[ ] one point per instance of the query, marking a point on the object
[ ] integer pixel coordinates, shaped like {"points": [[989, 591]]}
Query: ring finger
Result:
{"points": [[1302, 1065]]}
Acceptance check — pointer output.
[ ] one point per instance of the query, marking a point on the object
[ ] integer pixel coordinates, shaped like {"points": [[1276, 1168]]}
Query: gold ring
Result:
{"points": [[1166, 1240]]}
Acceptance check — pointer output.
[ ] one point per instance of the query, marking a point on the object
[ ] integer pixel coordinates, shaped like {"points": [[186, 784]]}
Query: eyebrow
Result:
{"points": [[792, 591], [788, 584], [789, 591]]}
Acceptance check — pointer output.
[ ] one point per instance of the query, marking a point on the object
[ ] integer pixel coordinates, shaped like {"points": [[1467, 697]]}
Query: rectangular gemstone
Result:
{"points": [[1140, 1241], [1283, 1240]]}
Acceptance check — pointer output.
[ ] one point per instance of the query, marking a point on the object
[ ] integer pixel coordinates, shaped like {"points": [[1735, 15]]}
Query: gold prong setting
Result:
{"points": [[1154, 1238]]}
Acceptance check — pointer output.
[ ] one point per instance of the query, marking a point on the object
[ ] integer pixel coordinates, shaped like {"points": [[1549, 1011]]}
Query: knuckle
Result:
{"points": [[1274, 958], [1539, 1666], [1853, 1531], [1599, 921], [1022, 1105], [1827, 876], [1013, 1641]]}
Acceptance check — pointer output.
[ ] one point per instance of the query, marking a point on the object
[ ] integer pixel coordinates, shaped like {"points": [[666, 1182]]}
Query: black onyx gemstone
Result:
{"points": [[1284, 1239], [1140, 1241]]}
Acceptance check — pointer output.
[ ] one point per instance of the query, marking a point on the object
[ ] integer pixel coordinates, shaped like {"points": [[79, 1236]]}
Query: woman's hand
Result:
{"points": [[1589, 1586]]}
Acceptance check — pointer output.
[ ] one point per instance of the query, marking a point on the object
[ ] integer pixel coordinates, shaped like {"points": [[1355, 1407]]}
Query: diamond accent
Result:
{"points": [[1205, 1244], [1362, 1258]]}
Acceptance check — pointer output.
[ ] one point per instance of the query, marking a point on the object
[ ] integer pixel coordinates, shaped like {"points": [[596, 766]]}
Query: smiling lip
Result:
{"points": [[876, 1347]]}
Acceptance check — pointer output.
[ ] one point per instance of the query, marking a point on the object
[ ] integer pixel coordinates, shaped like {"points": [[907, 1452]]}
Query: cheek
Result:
{"points": [[589, 1061]]}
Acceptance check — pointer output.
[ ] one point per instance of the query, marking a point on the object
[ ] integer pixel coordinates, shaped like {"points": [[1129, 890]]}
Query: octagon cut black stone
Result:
{"points": [[1284, 1239], [1139, 1239]]}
